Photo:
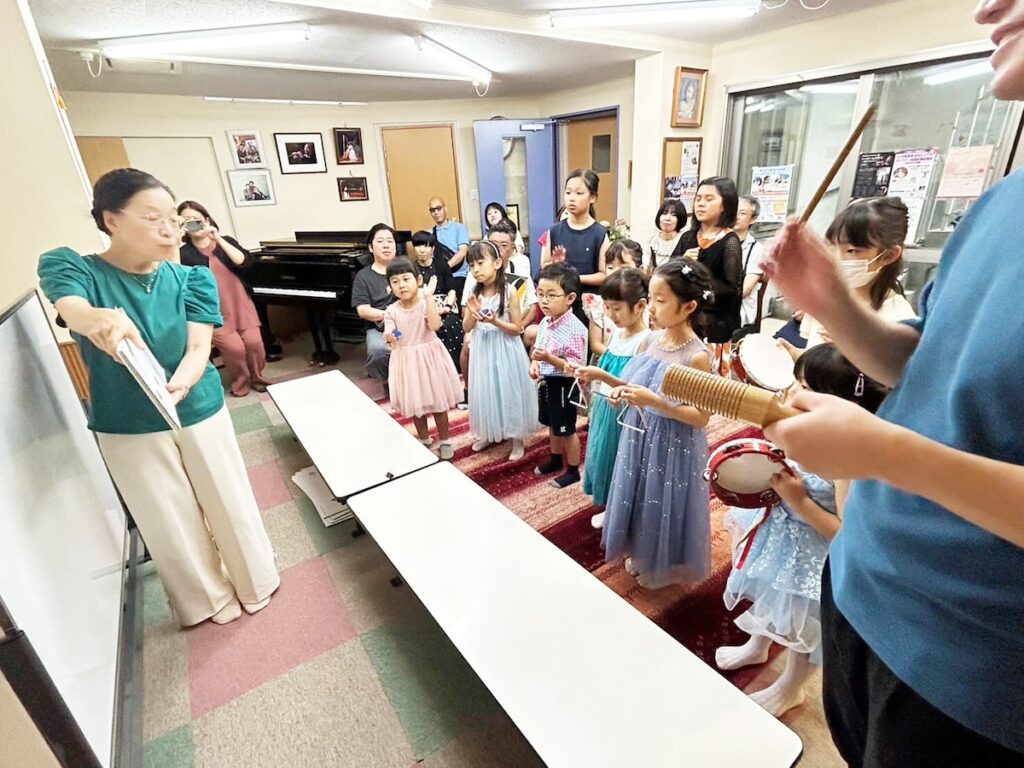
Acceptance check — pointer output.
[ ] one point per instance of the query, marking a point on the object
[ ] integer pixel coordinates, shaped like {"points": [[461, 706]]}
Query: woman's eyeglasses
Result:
{"points": [[156, 221]]}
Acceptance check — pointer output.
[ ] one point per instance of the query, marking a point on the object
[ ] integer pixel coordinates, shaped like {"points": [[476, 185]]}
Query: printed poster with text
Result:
{"points": [[874, 170], [965, 171], [771, 185], [911, 176]]}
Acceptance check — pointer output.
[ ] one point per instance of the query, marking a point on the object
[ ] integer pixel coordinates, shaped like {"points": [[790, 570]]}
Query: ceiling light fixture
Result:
{"points": [[615, 15], [304, 102], [480, 75], [970, 69], [830, 88], [148, 46]]}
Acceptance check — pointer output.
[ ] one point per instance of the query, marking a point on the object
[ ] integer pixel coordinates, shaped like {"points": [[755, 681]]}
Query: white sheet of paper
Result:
{"points": [[147, 371], [312, 484]]}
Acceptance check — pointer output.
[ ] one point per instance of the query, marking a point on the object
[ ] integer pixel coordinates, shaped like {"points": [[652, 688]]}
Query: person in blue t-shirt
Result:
{"points": [[454, 236], [923, 594]]}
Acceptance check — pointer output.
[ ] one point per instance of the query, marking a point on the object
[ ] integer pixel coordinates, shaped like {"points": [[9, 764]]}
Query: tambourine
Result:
{"points": [[758, 360], [740, 472]]}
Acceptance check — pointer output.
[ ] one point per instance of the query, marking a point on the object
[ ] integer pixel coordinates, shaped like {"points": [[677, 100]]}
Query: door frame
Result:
{"points": [[383, 164], [561, 142]]}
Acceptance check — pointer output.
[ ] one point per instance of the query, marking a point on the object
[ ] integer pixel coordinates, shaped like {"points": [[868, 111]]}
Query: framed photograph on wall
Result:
{"points": [[348, 146], [251, 186], [301, 152], [352, 189], [680, 168], [247, 149], [512, 209], [688, 97]]}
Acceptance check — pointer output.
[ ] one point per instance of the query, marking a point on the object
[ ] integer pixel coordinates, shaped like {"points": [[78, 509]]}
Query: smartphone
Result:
{"points": [[194, 226]]}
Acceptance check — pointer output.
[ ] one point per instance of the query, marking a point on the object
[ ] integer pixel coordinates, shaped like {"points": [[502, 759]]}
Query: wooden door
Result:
{"points": [[593, 143], [101, 154], [420, 164]]}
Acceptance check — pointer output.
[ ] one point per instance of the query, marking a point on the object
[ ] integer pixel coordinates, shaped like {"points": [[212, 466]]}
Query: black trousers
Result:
{"points": [[877, 721]]}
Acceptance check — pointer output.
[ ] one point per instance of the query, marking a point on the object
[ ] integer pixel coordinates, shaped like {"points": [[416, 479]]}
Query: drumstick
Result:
{"points": [[838, 163], [725, 397]]}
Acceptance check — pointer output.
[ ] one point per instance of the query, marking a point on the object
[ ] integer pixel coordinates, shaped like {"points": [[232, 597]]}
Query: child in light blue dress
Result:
{"points": [[778, 568]]}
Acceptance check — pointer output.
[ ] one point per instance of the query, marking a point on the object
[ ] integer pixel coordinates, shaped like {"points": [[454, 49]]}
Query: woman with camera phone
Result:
{"points": [[239, 340]]}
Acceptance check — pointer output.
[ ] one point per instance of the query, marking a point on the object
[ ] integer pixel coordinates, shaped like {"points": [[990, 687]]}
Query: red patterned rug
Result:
{"points": [[695, 615]]}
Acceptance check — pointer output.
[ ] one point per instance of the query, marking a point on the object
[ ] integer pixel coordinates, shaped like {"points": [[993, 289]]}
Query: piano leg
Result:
{"points": [[320, 328]]}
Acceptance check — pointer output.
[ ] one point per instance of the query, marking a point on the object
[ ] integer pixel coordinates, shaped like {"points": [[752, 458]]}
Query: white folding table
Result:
{"points": [[587, 679], [354, 444]]}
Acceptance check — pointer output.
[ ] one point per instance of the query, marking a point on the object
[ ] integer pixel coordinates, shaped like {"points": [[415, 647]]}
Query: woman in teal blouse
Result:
{"points": [[188, 490]]}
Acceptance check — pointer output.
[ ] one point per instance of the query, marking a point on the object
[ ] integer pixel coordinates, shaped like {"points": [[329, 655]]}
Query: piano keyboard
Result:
{"points": [[297, 292]]}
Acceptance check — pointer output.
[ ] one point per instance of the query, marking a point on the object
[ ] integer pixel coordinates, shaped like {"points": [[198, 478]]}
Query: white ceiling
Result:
{"points": [[524, 63]]}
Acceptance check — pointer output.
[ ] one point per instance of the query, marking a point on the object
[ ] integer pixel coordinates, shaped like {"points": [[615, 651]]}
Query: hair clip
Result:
{"points": [[686, 269], [708, 295], [858, 389]]}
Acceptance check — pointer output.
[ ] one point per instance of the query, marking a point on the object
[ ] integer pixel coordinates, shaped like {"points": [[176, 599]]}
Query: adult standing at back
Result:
{"points": [[452, 241], [665, 244], [747, 212], [922, 603], [712, 241], [579, 240]]}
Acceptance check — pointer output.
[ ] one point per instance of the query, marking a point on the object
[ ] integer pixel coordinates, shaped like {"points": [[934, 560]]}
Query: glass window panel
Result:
{"points": [[601, 153], [516, 196], [941, 107], [802, 126]]}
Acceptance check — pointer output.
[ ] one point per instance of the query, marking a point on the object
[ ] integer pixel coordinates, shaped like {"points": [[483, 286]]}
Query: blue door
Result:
{"points": [[516, 167]]}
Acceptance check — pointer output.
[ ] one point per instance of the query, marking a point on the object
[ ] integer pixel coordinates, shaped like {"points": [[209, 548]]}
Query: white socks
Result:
{"points": [[228, 613], [518, 450], [754, 651], [480, 445], [598, 520], [788, 691], [252, 608]]}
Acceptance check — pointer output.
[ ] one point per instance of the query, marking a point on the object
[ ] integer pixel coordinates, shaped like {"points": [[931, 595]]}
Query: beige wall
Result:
{"points": [[21, 744], [305, 202], [44, 201]]}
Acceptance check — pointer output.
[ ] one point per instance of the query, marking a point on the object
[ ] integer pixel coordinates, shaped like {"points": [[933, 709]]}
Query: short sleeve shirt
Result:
{"points": [[179, 295], [564, 337], [371, 288], [455, 234]]}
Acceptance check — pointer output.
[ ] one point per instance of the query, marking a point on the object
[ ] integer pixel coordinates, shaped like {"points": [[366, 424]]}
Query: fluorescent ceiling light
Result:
{"points": [[147, 46], [835, 88], [971, 69], [480, 75], [307, 102], [694, 10]]}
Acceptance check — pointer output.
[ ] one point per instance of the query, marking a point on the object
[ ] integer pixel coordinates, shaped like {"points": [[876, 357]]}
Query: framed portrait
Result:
{"points": [[247, 149], [251, 186], [301, 152], [352, 189], [688, 97], [512, 209], [680, 168], [348, 146]]}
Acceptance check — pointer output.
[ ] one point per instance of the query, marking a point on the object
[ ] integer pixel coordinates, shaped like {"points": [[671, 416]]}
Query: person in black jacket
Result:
{"points": [[239, 339]]}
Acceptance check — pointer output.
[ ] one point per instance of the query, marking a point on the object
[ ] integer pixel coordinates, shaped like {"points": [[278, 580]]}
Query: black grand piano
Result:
{"points": [[315, 271]]}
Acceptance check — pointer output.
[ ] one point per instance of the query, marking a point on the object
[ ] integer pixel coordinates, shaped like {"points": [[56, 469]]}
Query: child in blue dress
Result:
{"points": [[624, 297], [658, 513], [503, 399], [781, 571]]}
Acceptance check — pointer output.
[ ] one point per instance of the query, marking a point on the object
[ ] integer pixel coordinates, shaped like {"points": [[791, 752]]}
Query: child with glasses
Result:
{"points": [[658, 512], [625, 303], [561, 342]]}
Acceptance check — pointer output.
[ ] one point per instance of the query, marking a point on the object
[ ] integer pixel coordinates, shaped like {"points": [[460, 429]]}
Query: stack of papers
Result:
{"points": [[147, 371], [311, 483]]}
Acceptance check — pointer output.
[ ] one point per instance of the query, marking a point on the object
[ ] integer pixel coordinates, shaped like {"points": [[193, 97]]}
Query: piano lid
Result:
{"points": [[332, 239]]}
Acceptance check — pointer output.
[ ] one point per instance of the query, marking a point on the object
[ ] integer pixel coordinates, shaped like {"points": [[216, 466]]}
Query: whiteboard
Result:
{"points": [[62, 527]]}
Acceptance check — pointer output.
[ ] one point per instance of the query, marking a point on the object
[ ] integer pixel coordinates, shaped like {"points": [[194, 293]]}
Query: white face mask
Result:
{"points": [[857, 273]]}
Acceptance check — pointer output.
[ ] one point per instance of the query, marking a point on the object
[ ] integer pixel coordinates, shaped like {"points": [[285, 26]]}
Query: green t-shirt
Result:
{"points": [[179, 295]]}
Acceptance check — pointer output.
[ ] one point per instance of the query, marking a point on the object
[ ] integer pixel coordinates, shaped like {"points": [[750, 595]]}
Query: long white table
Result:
{"points": [[587, 679], [353, 442]]}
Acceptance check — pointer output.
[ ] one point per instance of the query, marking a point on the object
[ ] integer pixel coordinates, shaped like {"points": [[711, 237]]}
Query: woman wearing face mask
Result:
{"points": [[868, 237], [239, 339]]}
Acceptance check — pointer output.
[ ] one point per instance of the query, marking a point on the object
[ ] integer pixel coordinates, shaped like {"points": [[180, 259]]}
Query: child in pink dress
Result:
{"points": [[421, 376]]}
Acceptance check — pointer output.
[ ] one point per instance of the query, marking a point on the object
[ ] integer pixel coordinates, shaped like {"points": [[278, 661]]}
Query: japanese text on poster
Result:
{"points": [[771, 185]]}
